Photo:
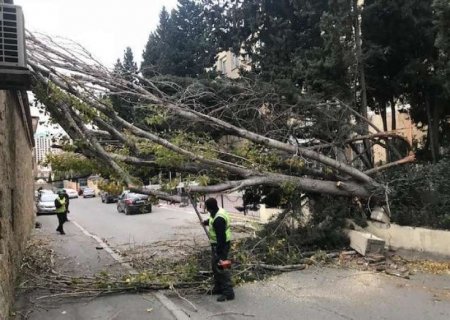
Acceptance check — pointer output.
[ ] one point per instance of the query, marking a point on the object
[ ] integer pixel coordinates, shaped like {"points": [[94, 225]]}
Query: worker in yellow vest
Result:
{"points": [[61, 211], [220, 238]]}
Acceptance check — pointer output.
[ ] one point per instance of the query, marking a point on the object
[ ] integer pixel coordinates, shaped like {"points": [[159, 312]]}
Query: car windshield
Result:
{"points": [[87, 189], [47, 197], [136, 196]]}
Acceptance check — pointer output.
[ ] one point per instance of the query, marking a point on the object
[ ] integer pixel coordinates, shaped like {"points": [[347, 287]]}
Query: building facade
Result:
{"points": [[43, 146], [230, 64], [405, 127], [16, 189]]}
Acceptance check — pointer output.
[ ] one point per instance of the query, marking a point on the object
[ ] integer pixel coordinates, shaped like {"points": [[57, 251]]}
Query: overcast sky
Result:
{"points": [[105, 27]]}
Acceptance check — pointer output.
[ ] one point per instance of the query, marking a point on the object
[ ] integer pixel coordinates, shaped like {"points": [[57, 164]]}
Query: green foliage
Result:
{"points": [[421, 194], [180, 45], [272, 32], [259, 156], [112, 187], [200, 145], [125, 105], [52, 95], [406, 59], [68, 165], [442, 24]]}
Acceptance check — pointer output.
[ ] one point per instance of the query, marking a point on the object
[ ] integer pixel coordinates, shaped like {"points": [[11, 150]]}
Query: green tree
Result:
{"points": [[273, 33], [124, 104], [405, 53], [180, 46], [329, 69]]}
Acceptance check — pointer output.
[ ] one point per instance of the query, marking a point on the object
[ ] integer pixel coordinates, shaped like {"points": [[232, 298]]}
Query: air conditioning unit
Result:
{"points": [[14, 73]]}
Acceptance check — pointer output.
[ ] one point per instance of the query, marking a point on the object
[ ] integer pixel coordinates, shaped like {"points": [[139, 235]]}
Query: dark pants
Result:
{"points": [[62, 217], [222, 277]]}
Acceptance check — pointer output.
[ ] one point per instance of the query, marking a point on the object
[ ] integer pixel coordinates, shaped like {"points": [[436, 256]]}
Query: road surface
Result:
{"points": [[315, 293], [120, 230]]}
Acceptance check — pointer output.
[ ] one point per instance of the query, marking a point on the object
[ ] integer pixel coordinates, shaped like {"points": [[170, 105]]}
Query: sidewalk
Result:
{"points": [[77, 254], [314, 293], [329, 294]]}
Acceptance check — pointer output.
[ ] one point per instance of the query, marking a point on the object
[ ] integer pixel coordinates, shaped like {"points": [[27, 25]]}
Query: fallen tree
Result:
{"points": [[301, 145]]}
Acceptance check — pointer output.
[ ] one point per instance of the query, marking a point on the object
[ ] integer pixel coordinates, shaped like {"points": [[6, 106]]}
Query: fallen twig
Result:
{"points": [[228, 313], [290, 267], [183, 298]]}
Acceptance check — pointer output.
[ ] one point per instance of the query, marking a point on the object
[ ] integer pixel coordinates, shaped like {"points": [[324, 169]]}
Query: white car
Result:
{"points": [[71, 193], [46, 203], [88, 193]]}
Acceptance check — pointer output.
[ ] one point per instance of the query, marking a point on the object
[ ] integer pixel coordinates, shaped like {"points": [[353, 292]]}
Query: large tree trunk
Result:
{"points": [[362, 81], [393, 116], [433, 131], [384, 118]]}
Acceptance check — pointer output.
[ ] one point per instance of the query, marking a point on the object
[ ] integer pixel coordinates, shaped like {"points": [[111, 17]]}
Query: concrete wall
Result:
{"points": [[418, 239], [16, 192]]}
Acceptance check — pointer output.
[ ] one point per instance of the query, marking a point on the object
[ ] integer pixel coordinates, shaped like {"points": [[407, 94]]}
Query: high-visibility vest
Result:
{"points": [[212, 233], [61, 209]]}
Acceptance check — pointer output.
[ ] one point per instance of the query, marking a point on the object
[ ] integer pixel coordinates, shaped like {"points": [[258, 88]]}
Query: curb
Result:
{"points": [[176, 311], [166, 302]]}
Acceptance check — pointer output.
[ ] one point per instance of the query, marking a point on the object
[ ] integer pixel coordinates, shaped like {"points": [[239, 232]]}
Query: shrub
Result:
{"points": [[420, 194]]}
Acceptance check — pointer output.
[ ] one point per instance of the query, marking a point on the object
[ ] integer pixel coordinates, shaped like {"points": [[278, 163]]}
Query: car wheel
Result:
{"points": [[103, 200], [127, 212], [118, 208]]}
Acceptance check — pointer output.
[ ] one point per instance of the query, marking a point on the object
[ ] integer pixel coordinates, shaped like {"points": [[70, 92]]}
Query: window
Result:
{"points": [[223, 66], [236, 62]]}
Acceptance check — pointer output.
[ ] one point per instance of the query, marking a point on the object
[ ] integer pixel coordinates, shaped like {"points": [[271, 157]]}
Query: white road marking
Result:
{"points": [[166, 302], [107, 248]]}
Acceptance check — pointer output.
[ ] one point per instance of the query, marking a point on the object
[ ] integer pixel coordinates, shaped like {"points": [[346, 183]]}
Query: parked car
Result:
{"points": [[38, 193], [71, 193], [46, 203], [80, 191], [132, 203], [88, 193], [108, 197]]}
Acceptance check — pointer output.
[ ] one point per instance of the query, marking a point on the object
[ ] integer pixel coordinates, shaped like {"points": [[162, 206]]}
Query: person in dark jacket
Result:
{"points": [[66, 197], [220, 238], [61, 211]]}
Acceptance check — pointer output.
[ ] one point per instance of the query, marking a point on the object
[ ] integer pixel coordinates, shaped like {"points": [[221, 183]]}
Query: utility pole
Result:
{"points": [[362, 78]]}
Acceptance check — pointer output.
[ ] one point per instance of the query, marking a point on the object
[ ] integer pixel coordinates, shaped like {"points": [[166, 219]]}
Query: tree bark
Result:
{"points": [[393, 116], [362, 81], [432, 139]]}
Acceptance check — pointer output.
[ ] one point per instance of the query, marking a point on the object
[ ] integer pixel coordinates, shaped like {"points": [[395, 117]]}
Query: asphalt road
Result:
{"points": [[329, 294], [120, 230], [315, 293]]}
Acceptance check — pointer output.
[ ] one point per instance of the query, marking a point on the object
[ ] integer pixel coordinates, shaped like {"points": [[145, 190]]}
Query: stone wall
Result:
{"points": [[16, 191]]}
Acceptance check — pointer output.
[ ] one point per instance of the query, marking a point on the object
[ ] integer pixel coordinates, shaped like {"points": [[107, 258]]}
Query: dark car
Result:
{"points": [[133, 203], [108, 197]]}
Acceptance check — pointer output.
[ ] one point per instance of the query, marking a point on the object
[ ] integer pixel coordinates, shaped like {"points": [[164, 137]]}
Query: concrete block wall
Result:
{"points": [[16, 194], [436, 242]]}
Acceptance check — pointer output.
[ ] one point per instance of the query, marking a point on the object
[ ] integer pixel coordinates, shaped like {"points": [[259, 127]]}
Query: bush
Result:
{"points": [[420, 194]]}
